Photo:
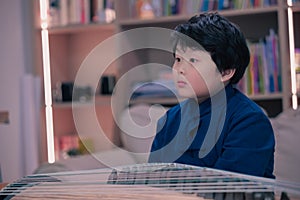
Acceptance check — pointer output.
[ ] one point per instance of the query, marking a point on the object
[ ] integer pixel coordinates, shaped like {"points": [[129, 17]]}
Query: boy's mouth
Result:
{"points": [[181, 84]]}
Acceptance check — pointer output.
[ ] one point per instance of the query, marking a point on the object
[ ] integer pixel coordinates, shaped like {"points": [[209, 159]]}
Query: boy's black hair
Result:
{"points": [[218, 36]]}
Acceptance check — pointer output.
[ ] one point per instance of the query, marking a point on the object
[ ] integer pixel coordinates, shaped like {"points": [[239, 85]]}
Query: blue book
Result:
{"points": [[205, 5], [221, 5]]}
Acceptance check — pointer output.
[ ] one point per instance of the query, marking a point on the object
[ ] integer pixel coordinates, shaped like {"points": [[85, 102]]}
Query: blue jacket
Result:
{"points": [[227, 131]]}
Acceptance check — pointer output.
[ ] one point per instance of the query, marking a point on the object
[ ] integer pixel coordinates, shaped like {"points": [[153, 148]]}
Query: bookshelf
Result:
{"points": [[71, 43]]}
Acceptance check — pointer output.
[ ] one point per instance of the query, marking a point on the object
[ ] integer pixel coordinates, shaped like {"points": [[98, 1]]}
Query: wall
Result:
{"points": [[15, 62]]}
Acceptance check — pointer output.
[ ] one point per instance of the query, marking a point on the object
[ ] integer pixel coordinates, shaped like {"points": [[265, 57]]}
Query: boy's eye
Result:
{"points": [[193, 60]]}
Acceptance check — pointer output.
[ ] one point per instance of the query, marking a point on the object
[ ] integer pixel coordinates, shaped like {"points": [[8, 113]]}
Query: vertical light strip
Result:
{"points": [[292, 55], [47, 81]]}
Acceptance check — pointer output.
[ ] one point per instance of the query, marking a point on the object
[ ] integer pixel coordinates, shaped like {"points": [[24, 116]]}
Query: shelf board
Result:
{"points": [[175, 18], [75, 28], [269, 96], [173, 101], [163, 19], [156, 100], [100, 100], [249, 11], [71, 104]]}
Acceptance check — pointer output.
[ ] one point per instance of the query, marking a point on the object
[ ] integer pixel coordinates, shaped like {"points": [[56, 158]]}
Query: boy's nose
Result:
{"points": [[181, 70]]}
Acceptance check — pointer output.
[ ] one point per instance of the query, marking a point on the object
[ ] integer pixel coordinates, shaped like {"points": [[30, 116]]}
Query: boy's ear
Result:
{"points": [[227, 74]]}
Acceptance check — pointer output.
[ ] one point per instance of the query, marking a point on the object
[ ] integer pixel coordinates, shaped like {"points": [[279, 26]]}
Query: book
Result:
{"points": [[263, 74]]}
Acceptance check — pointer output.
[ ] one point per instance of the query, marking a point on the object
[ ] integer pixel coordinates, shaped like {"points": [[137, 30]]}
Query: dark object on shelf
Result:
{"points": [[67, 90], [73, 152], [107, 84], [273, 107]]}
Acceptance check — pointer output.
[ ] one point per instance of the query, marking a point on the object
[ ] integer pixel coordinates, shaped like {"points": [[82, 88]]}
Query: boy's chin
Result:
{"points": [[185, 95]]}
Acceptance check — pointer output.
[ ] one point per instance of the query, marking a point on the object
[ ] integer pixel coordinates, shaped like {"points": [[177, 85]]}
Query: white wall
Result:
{"points": [[15, 62]]}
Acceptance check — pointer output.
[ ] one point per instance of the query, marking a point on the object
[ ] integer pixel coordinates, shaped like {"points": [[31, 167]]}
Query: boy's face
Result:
{"points": [[195, 74]]}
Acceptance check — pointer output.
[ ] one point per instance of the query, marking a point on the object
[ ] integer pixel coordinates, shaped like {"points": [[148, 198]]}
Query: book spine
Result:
{"points": [[64, 20]]}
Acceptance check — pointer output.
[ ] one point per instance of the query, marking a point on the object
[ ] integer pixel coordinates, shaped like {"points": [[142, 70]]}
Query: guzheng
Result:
{"points": [[157, 181]]}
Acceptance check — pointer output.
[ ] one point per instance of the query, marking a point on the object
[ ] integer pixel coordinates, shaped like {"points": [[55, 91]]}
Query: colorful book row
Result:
{"points": [[263, 74], [182, 7], [66, 12]]}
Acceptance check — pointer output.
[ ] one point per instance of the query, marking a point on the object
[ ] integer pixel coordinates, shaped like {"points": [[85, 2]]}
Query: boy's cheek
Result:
{"points": [[211, 77]]}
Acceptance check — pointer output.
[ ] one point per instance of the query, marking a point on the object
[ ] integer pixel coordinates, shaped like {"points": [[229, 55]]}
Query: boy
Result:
{"points": [[216, 126]]}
